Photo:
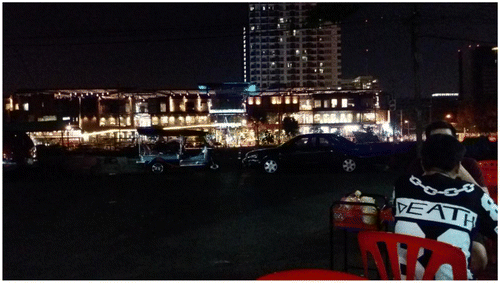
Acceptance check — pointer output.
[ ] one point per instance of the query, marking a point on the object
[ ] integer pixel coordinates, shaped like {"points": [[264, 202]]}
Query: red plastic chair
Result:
{"points": [[490, 174], [311, 274], [442, 253]]}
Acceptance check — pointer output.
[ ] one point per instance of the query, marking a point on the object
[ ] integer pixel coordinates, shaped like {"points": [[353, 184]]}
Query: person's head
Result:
{"points": [[442, 152], [440, 127]]}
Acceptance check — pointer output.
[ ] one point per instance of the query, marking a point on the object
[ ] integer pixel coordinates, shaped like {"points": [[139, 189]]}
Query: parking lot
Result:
{"points": [[231, 224]]}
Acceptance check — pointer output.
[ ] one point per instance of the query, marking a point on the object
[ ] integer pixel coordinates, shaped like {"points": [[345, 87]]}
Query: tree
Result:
{"points": [[290, 126], [258, 117]]}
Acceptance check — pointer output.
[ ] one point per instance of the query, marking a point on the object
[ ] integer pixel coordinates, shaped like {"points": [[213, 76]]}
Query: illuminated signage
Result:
{"points": [[444, 94]]}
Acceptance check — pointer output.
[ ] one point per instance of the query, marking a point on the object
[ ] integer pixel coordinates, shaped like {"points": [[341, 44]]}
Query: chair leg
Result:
{"points": [[345, 251]]}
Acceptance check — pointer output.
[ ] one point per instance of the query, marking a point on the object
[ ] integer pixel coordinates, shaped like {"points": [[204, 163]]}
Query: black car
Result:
{"points": [[18, 150], [310, 150]]}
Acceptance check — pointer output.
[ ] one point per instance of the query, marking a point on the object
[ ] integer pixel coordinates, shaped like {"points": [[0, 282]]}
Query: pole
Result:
{"points": [[416, 79], [80, 112], [401, 122]]}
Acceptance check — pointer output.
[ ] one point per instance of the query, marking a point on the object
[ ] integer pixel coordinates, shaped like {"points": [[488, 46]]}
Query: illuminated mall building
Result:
{"points": [[103, 116]]}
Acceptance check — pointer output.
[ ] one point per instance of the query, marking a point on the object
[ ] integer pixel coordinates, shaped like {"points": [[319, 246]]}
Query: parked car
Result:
{"points": [[330, 150], [18, 150], [168, 149]]}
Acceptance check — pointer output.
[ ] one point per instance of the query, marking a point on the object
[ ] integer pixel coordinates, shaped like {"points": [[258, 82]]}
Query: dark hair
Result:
{"points": [[439, 125], [442, 151]]}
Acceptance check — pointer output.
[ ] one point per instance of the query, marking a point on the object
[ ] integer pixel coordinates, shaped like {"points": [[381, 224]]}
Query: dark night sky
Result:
{"points": [[169, 45]]}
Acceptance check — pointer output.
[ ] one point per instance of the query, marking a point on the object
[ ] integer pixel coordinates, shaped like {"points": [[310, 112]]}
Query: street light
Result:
{"points": [[407, 123]]}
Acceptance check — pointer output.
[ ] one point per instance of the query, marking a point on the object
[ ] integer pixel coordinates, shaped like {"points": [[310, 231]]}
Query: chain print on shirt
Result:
{"points": [[451, 192]]}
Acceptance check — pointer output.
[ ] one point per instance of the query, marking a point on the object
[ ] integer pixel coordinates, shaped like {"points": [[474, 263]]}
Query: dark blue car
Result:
{"points": [[325, 150]]}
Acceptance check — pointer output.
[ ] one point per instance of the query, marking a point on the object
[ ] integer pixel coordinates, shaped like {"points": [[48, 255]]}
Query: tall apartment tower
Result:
{"points": [[280, 53]]}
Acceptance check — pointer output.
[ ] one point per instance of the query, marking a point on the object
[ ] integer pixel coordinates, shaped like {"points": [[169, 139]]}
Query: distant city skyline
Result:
{"points": [[174, 45]]}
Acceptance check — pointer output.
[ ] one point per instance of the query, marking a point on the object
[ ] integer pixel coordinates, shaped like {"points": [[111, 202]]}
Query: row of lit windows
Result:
{"points": [[286, 6], [306, 104], [188, 120], [254, 46], [333, 103], [164, 120], [327, 103], [302, 118], [334, 118], [15, 106], [112, 121]]}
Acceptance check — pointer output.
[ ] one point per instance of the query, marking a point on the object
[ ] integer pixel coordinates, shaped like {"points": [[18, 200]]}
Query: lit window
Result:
{"points": [[321, 71], [344, 102], [317, 103], [295, 100], [200, 105], [304, 58], [287, 100], [252, 28], [252, 8], [257, 100], [282, 20], [326, 103], [164, 120], [154, 121], [16, 107], [163, 107], [250, 100], [263, 8], [334, 103], [26, 106], [350, 118], [305, 104], [325, 119], [172, 106], [294, 32]]}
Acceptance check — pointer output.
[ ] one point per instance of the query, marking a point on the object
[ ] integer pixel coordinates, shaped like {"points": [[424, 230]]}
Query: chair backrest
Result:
{"points": [[489, 168], [442, 253], [310, 274]]}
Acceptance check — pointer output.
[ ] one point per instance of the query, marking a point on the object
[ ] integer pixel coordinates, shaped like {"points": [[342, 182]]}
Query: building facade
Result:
{"points": [[100, 116], [280, 53]]}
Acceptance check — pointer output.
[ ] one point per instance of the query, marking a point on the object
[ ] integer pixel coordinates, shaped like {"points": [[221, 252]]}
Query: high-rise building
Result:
{"points": [[281, 53], [478, 73], [478, 86]]}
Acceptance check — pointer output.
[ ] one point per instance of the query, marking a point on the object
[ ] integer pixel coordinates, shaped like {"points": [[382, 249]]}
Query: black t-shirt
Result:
{"points": [[444, 209]]}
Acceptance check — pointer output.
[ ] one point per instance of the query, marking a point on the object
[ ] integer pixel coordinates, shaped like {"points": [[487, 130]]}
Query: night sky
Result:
{"points": [[178, 46]]}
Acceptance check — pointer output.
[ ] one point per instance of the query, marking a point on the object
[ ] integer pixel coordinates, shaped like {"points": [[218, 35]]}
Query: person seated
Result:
{"points": [[438, 205], [469, 169]]}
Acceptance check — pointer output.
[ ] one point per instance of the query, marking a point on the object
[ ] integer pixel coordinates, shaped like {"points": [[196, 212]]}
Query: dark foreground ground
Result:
{"points": [[232, 224]]}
